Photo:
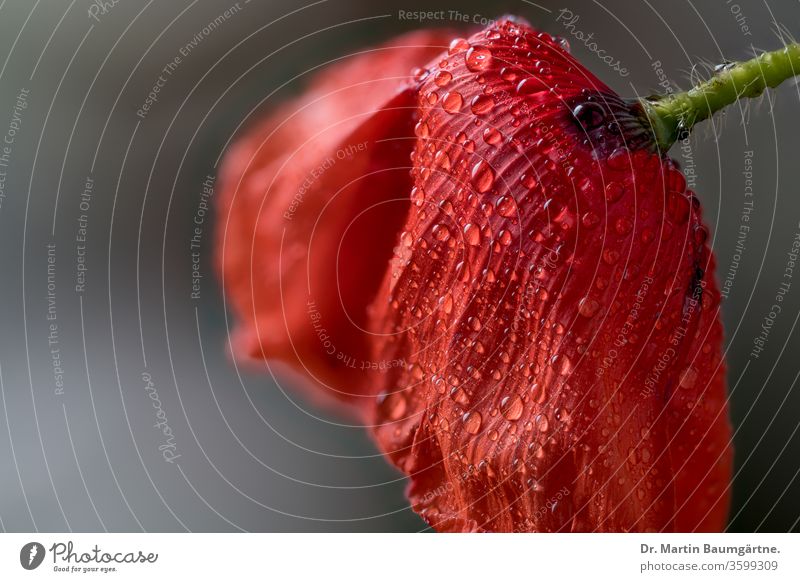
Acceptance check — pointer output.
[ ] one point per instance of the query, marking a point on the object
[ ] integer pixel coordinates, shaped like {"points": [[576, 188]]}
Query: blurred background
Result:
{"points": [[97, 202]]}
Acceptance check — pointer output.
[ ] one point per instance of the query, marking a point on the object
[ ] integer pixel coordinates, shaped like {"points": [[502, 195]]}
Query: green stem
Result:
{"points": [[671, 116]]}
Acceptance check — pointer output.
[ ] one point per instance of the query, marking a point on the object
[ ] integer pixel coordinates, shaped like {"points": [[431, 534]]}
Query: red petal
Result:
{"points": [[311, 202], [556, 306]]}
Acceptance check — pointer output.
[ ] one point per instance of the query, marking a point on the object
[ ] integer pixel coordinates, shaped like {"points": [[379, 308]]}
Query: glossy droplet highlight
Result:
{"points": [[589, 115], [441, 232], [458, 45], [590, 220], [442, 78], [492, 136], [482, 176], [511, 407], [472, 234], [472, 422], [506, 206], [478, 58], [588, 307], [452, 102], [482, 104]]}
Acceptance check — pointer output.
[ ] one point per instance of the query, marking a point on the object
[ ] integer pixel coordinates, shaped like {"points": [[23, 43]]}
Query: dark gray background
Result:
{"points": [[255, 457]]}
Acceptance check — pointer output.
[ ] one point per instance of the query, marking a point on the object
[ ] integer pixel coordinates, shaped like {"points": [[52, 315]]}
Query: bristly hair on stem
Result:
{"points": [[672, 116]]}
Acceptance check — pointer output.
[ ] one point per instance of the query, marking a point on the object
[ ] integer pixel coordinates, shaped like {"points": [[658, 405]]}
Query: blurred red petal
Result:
{"points": [[555, 303], [311, 202]]}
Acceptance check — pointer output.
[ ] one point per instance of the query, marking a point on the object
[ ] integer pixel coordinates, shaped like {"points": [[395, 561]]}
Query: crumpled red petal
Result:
{"points": [[311, 200], [542, 350], [554, 299]]}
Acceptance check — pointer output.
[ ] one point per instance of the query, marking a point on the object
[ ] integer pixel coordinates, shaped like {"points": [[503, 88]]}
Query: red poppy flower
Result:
{"points": [[487, 262]]}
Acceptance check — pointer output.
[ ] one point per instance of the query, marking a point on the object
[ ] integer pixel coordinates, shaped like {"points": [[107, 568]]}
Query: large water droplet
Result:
{"points": [[478, 58], [492, 136], [589, 114], [452, 102], [482, 176], [458, 45], [442, 159], [472, 234], [417, 196], [441, 232], [442, 78], [472, 422], [531, 85], [506, 206], [511, 407], [528, 180], [482, 104], [562, 42]]}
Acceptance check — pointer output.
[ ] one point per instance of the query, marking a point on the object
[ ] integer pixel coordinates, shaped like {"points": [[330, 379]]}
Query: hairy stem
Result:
{"points": [[672, 116]]}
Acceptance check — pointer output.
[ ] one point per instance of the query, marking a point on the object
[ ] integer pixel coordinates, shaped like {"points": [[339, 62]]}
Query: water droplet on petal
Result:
{"points": [[528, 181], [482, 104], [511, 407], [531, 85], [442, 78], [506, 206], [482, 176], [447, 303], [478, 58], [472, 234], [492, 136], [542, 423], [459, 396], [588, 307], [472, 422], [441, 232], [589, 114], [452, 102], [458, 45], [590, 220], [509, 74]]}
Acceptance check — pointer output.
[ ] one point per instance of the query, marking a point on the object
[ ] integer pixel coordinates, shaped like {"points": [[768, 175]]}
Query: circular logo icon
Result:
{"points": [[31, 555]]}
